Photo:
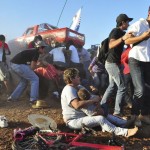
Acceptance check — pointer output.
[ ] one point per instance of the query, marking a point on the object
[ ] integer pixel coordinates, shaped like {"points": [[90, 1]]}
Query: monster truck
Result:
{"points": [[49, 33]]}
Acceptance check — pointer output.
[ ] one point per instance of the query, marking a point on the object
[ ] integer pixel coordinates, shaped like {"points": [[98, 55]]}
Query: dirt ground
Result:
{"points": [[17, 113]]}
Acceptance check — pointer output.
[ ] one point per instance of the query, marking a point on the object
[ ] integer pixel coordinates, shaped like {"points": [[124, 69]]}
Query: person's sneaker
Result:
{"points": [[9, 99], [144, 119]]}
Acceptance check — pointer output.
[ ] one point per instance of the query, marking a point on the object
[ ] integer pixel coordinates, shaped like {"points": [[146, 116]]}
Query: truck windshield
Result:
{"points": [[46, 26]]}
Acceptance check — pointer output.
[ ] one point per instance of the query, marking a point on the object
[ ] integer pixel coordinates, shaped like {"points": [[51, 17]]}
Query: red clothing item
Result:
{"points": [[49, 72], [31, 45], [7, 50], [124, 60]]}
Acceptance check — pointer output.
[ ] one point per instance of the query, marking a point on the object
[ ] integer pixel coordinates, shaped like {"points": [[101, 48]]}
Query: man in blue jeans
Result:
{"points": [[23, 65], [113, 64], [139, 62]]}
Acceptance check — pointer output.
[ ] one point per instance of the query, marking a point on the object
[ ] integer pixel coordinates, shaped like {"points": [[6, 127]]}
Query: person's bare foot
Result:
{"points": [[132, 132]]}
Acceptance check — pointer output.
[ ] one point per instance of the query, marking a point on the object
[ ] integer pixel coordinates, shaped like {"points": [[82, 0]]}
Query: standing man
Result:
{"points": [[139, 62], [113, 63], [23, 65]]}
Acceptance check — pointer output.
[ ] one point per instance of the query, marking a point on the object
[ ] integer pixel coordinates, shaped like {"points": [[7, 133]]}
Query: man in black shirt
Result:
{"points": [[113, 65], [24, 64]]}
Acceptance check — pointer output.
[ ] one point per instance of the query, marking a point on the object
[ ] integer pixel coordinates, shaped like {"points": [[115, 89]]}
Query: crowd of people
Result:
{"points": [[88, 84]]}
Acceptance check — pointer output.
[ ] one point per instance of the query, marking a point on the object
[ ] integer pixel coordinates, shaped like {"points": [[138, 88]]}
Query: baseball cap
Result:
{"points": [[41, 44], [122, 17], [149, 8]]}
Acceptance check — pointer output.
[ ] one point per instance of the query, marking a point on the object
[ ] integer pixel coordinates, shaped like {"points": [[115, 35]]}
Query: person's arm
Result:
{"points": [[135, 39], [33, 65], [115, 42], [91, 66], [76, 103], [90, 70]]}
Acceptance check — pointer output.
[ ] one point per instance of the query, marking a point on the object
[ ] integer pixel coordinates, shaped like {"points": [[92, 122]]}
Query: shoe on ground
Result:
{"points": [[144, 119], [3, 122], [9, 99]]}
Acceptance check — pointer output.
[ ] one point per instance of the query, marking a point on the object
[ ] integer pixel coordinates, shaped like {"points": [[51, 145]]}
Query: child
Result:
{"points": [[90, 110], [95, 109]]}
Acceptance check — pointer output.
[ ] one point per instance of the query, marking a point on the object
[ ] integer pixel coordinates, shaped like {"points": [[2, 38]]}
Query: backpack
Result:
{"points": [[103, 50]]}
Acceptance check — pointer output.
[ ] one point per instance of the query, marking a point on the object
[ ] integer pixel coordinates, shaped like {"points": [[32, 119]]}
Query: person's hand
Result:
{"points": [[127, 35], [92, 73], [146, 34]]}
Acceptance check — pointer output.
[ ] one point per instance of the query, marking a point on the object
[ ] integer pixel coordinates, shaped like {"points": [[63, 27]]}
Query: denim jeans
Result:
{"points": [[100, 81], [107, 123], [129, 87], [26, 74], [140, 76], [115, 79]]}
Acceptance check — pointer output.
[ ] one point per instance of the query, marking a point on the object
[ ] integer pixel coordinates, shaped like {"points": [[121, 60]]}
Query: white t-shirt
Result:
{"points": [[68, 94], [74, 54], [141, 51], [58, 54]]}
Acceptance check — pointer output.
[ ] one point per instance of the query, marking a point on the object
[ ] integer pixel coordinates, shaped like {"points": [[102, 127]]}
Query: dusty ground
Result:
{"points": [[17, 113]]}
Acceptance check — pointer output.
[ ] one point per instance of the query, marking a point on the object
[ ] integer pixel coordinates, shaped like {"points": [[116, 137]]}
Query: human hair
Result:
{"points": [[2, 37], [70, 74], [38, 37], [83, 94], [119, 24]]}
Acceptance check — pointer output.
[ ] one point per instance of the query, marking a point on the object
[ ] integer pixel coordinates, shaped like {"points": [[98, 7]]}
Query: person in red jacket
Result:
{"points": [[127, 76]]}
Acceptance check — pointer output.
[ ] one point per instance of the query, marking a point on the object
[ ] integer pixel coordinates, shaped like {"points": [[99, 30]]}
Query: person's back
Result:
{"points": [[25, 57], [58, 54]]}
